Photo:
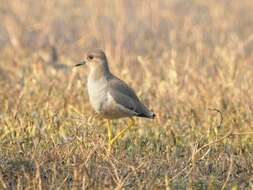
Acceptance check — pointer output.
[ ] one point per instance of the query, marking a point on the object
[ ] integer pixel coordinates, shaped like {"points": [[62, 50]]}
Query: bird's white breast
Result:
{"points": [[97, 90]]}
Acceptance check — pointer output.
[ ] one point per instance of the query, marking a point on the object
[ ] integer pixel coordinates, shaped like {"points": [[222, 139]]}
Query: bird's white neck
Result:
{"points": [[99, 72]]}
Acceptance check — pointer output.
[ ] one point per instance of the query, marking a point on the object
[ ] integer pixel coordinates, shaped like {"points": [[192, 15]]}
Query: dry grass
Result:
{"points": [[189, 60]]}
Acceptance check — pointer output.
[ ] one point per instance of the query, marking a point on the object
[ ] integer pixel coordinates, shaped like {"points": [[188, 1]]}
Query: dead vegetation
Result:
{"points": [[189, 60]]}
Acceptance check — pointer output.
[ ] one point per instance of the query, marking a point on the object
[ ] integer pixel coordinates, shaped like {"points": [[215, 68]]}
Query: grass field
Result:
{"points": [[190, 61]]}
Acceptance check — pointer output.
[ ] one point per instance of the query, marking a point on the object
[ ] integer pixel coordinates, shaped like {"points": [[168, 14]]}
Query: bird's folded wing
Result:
{"points": [[124, 101], [120, 86], [125, 96]]}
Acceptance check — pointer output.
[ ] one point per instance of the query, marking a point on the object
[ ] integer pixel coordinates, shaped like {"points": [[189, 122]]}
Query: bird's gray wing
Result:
{"points": [[120, 86], [126, 97]]}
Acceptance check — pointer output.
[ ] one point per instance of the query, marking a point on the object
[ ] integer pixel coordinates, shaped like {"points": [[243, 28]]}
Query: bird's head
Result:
{"points": [[94, 59]]}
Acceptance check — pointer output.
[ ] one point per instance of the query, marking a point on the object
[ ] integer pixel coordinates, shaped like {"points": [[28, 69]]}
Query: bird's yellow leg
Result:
{"points": [[109, 130], [131, 123]]}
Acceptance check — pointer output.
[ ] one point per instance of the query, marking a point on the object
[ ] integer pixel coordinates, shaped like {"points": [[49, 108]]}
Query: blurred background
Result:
{"points": [[182, 57]]}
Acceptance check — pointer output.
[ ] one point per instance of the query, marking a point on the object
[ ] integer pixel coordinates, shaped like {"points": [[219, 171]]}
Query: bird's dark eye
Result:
{"points": [[90, 57]]}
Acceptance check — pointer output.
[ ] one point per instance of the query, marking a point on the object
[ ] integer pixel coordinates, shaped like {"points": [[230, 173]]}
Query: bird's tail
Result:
{"points": [[150, 115]]}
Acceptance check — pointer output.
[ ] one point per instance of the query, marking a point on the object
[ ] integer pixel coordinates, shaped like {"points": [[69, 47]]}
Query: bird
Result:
{"points": [[111, 97]]}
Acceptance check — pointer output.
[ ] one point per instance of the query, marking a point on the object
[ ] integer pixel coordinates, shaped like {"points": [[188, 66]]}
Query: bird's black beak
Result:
{"points": [[80, 64]]}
